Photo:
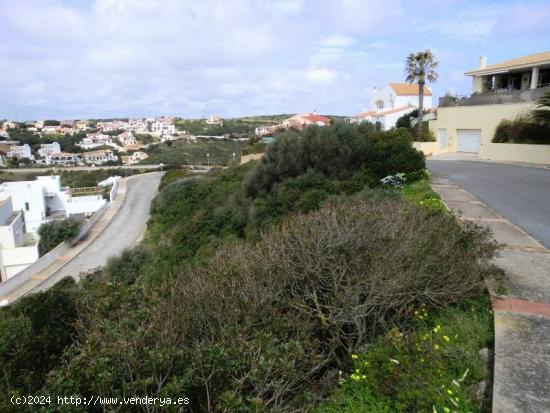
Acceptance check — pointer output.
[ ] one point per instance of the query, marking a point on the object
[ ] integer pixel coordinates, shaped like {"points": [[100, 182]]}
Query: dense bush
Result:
{"points": [[260, 327], [522, 130], [54, 233], [339, 151], [34, 332], [125, 268]]}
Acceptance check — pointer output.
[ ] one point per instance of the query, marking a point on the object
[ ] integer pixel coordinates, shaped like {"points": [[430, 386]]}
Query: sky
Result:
{"points": [[79, 59]]}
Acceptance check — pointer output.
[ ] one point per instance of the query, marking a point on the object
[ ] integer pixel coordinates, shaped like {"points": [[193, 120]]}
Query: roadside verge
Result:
{"points": [[521, 312]]}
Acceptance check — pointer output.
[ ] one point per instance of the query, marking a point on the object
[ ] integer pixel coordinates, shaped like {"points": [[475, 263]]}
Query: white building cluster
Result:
{"points": [[24, 207]]}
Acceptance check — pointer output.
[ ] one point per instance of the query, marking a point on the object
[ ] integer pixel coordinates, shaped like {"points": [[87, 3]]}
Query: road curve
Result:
{"points": [[122, 232]]}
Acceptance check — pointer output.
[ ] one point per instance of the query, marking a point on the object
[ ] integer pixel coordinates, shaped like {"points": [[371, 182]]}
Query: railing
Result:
{"points": [[498, 96]]}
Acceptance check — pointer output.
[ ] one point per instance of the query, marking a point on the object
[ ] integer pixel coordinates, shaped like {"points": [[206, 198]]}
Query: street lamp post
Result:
{"points": [[208, 159], [234, 154], [161, 165]]}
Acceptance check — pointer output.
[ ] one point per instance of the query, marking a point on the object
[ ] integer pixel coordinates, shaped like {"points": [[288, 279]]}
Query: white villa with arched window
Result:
{"points": [[391, 102]]}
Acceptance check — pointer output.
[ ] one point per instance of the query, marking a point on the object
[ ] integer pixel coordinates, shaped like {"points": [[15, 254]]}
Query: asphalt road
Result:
{"points": [[123, 230], [520, 194]]}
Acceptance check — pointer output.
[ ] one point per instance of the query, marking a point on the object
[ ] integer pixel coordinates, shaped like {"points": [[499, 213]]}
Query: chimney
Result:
{"points": [[374, 90], [483, 62]]}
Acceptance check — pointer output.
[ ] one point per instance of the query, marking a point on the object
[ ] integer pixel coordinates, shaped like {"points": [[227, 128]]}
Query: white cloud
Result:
{"points": [[320, 75], [337, 40]]}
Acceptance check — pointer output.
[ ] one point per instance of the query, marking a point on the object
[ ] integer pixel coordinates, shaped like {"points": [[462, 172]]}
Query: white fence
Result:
{"points": [[114, 189]]}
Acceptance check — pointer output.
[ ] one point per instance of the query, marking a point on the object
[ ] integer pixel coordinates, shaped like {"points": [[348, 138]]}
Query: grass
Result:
{"points": [[182, 152], [433, 365]]}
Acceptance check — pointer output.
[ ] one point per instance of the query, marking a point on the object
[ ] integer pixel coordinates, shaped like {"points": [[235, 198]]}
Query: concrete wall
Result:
{"points": [[44, 262], [113, 192], [539, 154], [14, 260], [90, 223], [429, 148], [484, 117]]}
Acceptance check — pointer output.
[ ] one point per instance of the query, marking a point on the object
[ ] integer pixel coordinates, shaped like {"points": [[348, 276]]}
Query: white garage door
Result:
{"points": [[442, 138], [469, 140]]}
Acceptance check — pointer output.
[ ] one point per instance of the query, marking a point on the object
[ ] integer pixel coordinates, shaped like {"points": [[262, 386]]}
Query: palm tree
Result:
{"points": [[421, 68], [542, 113]]}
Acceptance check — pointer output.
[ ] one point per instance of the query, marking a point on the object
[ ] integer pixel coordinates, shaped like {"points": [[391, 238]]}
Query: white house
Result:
{"points": [[214, 120], [302, 120], [161, 128], [63, 159], [44, 200], [18, 249], [391, 102], [20, 152], [49, 149], [51, 129], [127, 138], [99, 157], [135, 158], [94, 140]]}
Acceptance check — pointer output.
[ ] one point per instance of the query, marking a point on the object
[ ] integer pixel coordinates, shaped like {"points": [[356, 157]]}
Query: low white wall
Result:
{"points": [[44, 262], [85, 204], [515, 152], [429, 148], [90, 223], [113, 192]]}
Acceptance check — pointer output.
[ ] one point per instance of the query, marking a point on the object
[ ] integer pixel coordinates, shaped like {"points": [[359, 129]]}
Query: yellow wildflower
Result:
{"points": [[354, 356], [446, 338]]}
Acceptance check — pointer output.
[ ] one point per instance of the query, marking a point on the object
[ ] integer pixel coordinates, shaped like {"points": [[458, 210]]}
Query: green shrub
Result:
{"points": [[336, 152], [522, 130], [126, 267], [255, 327], [55, 232], [34, 332]]}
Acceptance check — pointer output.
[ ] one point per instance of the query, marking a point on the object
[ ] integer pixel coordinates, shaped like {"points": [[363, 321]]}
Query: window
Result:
{"points": [[26, 206], [379, 104]]}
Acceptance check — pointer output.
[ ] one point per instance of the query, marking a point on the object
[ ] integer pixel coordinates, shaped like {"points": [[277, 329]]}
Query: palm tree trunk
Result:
{"points": [[419, 125]]}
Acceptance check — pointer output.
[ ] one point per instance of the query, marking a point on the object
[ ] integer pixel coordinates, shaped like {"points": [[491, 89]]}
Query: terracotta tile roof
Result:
{"points": [[317, 118], [408, 89], [383, 113], [532, 59]]}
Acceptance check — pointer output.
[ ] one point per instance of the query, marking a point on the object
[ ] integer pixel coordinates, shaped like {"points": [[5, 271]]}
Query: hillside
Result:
{"points": [[182, 152], [299, 283]]}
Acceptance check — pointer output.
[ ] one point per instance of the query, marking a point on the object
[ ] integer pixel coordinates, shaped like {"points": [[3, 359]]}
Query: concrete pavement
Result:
{"points": [[522, 315], [520, 194], [119, 228]]}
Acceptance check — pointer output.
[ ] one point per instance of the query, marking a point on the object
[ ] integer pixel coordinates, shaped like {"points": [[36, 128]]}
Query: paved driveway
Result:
{"points": [[123, 230], [521, 194]]}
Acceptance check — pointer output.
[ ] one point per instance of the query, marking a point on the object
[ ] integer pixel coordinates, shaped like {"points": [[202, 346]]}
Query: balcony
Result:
{"points": [[495, 97]]}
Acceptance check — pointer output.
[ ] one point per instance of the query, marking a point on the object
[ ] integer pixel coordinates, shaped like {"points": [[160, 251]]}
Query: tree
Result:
{"points": [[55, 232], [542, 113], [421, 68]]}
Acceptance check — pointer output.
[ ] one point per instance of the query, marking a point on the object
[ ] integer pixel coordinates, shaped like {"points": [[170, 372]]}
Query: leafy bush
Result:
{"points": [[541, 114], [125, 268], [338, 151], [54, 233], [522, 130], [258, 326], [34, 332]]}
